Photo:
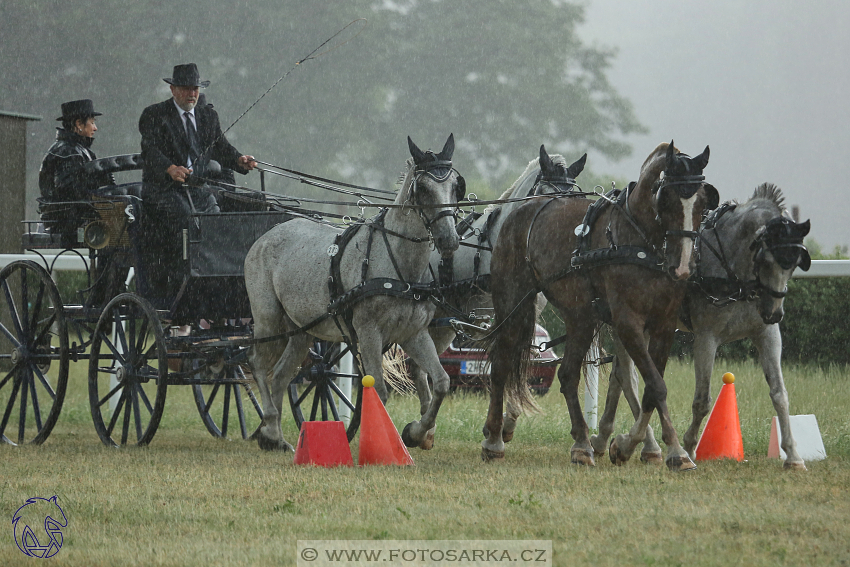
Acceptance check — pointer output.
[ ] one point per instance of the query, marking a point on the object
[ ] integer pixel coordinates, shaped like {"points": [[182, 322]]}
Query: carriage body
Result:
{"points": [[132, 339]]}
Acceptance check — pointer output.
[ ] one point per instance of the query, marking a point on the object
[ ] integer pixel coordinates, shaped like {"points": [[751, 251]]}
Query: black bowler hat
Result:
{"points": [[186, 75], [78, 109]]}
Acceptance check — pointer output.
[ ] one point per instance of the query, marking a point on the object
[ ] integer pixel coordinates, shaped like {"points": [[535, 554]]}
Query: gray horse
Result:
{"points": [[746, 255], [378, 270], [468, 280]]}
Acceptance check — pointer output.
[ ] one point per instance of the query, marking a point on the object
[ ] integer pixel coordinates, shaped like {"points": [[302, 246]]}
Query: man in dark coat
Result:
{"points": [[179, 138], [65, 186]]}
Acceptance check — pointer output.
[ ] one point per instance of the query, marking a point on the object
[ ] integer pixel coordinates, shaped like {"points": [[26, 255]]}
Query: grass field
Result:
{"points": [[190, 499]]}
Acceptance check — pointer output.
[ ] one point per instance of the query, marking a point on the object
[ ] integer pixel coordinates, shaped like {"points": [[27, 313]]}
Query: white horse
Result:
{"points": [[746, 255], [378, 271], [467, 281]]}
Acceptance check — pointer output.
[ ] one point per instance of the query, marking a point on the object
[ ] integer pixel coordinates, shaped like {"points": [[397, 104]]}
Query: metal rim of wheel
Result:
{"points": [[212, 402], [128, 380], [319, 398], [34, 354]]}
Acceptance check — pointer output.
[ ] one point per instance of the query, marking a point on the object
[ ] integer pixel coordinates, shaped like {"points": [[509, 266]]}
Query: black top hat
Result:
{"points": [[78, 109], [186, 75]]}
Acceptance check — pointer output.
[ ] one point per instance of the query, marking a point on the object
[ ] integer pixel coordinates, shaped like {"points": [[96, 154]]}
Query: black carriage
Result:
{"points": [[132, 339]]}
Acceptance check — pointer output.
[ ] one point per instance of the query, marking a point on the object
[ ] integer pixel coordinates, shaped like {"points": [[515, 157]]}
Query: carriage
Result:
{"points": [[132, 339]]}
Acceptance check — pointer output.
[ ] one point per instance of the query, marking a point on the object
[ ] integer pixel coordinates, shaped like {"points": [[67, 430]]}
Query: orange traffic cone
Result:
{"points": [[721, 438], [323, 443], [380, 443]]}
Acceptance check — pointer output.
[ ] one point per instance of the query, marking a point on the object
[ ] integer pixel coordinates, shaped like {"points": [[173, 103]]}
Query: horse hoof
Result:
{"points": [[794, 466], [489, 456], [652, 457], [407, 438], [614, 454], [681, 464], [507, 436], [268, 444], [597, 453], [427, 443], [582, 457]]}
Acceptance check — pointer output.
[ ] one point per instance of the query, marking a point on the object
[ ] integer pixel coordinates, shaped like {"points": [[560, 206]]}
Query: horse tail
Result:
{"points": [[511, 346], [394, 369]]}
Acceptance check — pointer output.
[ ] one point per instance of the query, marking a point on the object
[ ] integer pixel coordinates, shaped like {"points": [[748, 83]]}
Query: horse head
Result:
{"points": [[436, 188], [679, 199], [777, 250], [557, 174]]}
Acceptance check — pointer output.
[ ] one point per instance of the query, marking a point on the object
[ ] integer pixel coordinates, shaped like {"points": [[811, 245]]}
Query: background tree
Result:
{"points": [[503, 76]]}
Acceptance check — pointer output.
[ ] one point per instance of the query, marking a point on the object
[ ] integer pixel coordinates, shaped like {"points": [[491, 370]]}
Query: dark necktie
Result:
{"points": [[194, 146]]}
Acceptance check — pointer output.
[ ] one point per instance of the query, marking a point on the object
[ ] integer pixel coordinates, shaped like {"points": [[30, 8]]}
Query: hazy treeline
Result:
{"points": [[503, 76]]}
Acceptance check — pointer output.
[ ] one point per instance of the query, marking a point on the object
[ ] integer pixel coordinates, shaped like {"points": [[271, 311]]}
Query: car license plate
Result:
{"points": [[473, 367]]}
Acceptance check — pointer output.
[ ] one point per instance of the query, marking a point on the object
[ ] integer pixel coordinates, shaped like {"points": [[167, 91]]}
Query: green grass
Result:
{"points": [[190, 499]]}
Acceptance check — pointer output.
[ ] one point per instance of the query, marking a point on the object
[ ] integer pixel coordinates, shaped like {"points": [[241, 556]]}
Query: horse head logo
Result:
{"points": [[39, 512]]}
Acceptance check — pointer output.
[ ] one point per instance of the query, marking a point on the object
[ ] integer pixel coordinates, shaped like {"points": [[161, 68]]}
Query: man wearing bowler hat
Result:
{"points": [[179, 138]]}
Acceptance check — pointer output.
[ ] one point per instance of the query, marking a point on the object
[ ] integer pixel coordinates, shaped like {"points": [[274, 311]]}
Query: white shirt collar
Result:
{"points": [[182, 112]]}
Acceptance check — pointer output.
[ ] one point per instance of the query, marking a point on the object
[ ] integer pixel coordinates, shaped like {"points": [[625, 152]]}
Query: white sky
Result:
{"points": [[766, 84]]}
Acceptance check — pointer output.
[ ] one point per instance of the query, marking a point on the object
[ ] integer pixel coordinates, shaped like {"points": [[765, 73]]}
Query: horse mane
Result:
{"points": [[653, 167], [526, 179], [405, 178], [771, 193]]}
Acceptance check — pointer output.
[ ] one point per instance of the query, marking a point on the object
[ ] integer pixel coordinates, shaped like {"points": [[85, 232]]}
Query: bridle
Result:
{"points": [[439, 171], [773, 237], [686, 187], [560, 184]]}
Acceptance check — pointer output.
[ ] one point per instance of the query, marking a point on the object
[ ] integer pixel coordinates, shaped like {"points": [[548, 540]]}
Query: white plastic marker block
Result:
{"points": [[806, 435]]}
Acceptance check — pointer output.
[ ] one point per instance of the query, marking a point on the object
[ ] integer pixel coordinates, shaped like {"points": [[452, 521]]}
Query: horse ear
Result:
{"points": [[577, 167], [545, 160], [448, 149], [712, 197], [417, 154], [803, 228], [805, 260], [671, 155], [702, 160]]}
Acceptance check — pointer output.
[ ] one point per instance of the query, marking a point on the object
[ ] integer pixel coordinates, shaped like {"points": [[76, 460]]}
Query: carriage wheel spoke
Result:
{"points": [[240, 412], [24, 304], [44, 383], [314, 410], [36, 307], [125, 428], [35, 409], [343, 398], [326, 393], [13, 312], [304, 395], [8, 334], [212, 397], [142, 336], [116, 413], [145, 400], [9, 405], [110, 394], [136, 413], [118, 355], [225, 415], [22, 420], [11, 374], [255, 402], [332, 404]]}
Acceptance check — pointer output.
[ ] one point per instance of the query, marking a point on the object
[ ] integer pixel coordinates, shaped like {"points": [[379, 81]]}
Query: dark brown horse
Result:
{"points": [[623, 262]]}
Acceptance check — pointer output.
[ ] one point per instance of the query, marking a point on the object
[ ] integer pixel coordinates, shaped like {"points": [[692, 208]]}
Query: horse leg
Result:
{"points": [[705, 349], [651, 363], [659, 350], [512, 413], [505, 349], [423, 391], [421, 349], [769, 345], [569, 375], [270, 437], [624, 380]]}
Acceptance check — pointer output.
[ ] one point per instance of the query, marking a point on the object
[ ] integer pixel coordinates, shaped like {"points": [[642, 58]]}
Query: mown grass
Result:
{"points": [[190, 499]]}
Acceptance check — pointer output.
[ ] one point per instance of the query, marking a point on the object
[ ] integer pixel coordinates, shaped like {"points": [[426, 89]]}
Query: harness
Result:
{"points": [[773, 237]]}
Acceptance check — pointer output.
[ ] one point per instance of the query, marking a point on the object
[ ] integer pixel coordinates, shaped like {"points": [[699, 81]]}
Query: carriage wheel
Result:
{"points": [[128, 372], [232, 398], [315, 394], [33, 353]]}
